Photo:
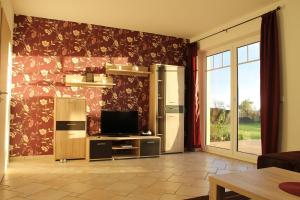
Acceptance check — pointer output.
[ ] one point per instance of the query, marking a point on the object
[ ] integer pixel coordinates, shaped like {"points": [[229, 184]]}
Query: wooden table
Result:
{"points": [[259, 184]]}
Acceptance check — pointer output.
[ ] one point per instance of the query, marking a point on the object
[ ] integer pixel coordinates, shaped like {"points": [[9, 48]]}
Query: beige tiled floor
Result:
{"points": [[169, 177]]}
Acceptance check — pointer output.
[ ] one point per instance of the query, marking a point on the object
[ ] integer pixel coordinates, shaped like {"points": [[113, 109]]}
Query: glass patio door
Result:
{"points": [[233, 99], [219, 100]]}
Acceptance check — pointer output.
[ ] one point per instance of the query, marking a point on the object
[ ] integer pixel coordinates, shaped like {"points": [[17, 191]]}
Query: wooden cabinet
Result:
{"points": [[174, 132], [174, 84], [99, 149], [69, 128], [149, 147], [70, 109], [104, 147], [166, 112]]}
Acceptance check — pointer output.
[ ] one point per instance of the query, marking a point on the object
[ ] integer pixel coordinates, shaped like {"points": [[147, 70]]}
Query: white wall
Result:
{"points": [[289, 26], [289, 19], [5, 69], [9, 12]]}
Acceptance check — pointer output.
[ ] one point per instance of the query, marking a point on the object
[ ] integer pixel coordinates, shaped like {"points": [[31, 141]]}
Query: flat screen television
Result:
{"points": [[119, 123]]}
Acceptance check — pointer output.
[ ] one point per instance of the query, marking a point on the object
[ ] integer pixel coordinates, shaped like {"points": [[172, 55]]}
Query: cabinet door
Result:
{"points": [[69, 109], [174, 136], [100, 149], [149, 147], [70, 144], [174, 91]]}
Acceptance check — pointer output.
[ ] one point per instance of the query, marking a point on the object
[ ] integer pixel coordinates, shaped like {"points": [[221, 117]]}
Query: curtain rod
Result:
{"points": [[231, 27]]}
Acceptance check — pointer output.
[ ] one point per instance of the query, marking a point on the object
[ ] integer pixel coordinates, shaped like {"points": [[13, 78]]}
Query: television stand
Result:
{"points": [[117, 136], [106, 147]]}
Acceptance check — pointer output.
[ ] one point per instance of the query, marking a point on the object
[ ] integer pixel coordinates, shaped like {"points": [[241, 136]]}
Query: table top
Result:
{"points": [[261, 184]]}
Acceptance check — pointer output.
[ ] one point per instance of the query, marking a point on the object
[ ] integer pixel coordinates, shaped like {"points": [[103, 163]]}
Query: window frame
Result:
{"points": [[233, 48]]}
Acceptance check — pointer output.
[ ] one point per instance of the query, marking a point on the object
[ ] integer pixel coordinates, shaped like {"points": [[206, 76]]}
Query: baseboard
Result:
{"points": [[193, 150], [38, 157]]}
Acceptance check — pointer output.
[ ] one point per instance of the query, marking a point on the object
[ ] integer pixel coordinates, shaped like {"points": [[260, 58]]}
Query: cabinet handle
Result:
{"points": [[150, 142], [3, 92], [71, 124], [101, 144]]}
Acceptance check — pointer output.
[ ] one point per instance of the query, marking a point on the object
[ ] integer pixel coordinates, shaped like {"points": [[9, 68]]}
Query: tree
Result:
{"points": [[246, 109]]}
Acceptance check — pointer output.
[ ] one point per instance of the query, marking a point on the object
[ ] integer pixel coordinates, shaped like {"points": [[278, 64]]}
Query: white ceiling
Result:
{"points": [[181, 18]]}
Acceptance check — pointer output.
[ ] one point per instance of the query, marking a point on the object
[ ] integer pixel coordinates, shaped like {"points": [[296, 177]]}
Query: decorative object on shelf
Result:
{"points": [[135, 68], [77, 80], [126, 69], [146, 132], [89, 77]]}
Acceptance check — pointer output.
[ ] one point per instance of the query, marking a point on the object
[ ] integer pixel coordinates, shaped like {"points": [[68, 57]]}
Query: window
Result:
{"points": [[233, 99], [218, 99], [249, 99]]}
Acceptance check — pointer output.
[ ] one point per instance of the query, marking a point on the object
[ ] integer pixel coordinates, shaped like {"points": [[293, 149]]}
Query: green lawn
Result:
{"points": [[249, 131]]}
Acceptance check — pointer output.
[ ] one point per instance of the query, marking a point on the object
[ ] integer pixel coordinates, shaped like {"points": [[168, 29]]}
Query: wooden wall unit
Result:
{"points": [[103, 147], [166, 106], [128, 70], [69, 128]]}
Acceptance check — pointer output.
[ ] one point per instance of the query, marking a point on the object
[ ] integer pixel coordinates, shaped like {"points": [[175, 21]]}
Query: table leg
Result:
{"points": [[216, 192]]}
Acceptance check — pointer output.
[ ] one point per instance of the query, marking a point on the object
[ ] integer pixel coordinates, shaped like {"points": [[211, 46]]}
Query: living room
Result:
{"points": [[149, 100]]}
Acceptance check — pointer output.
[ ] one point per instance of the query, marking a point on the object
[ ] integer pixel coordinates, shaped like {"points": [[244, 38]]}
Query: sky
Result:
{"points": [[248, 77]]}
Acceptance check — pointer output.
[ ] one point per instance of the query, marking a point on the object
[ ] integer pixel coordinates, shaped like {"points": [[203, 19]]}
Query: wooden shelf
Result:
{"points": [[120, 147], [128, 70], [75, 80], [124, 156], [90, 84]]}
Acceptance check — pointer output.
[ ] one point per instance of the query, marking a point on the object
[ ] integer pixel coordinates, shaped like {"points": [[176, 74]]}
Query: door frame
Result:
{"points": [[233, 151]]}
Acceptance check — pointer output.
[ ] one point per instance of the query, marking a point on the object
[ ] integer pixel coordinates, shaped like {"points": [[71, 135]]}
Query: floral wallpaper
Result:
{"points": [[45, 50]]}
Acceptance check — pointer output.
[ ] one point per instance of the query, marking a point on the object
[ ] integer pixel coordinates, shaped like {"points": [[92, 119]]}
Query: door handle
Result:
{"points": [[3, 92]]}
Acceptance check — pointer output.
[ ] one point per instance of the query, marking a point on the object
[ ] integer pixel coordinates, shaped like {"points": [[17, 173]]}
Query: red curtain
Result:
{"points": [[270, 83], [192, 123]]}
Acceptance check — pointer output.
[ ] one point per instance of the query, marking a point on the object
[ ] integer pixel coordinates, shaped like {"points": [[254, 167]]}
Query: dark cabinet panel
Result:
{"points": [[70, 125], [100, 149], [149, 147]]}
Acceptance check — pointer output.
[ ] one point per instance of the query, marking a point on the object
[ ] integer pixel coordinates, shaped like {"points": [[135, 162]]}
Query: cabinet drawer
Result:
{"points": [[149, 147], [100, 149], [70, 125]]}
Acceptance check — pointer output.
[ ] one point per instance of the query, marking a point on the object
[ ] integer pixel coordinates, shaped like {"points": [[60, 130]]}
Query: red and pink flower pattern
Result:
{"points": [[45, 50]]}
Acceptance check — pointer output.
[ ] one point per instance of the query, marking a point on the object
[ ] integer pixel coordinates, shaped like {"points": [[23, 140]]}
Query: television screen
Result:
{"points": [[118, 123]]}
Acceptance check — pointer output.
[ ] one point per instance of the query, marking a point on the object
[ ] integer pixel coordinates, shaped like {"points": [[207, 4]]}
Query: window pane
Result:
{"points": [[249, 140], [218, 100], [242, 54], [226, 58], [218, 60], [209, 62], [253, 51]]}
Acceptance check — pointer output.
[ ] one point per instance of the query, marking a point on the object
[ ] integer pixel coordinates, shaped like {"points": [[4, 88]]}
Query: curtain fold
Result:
{"points": [[192, 112], [270, 83]]}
